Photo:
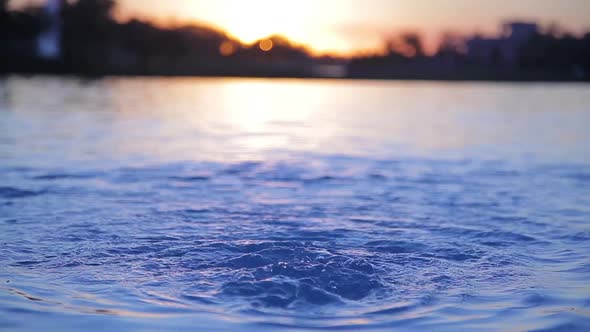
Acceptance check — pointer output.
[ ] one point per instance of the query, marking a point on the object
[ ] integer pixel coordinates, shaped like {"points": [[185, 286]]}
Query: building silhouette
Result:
{"points": [[504, 50], [49, 40]]}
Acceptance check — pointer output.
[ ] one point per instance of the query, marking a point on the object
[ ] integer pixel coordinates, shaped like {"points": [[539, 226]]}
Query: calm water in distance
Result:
{"points": [[293, 205]]}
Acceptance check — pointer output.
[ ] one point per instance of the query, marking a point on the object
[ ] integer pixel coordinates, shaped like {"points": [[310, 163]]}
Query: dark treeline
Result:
{"points": [[95, 43], [82, 38], [521, 52], [91, 42]]}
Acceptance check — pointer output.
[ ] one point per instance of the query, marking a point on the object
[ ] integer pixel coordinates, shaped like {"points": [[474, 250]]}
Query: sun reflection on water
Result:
{"points": [[249, 118]]}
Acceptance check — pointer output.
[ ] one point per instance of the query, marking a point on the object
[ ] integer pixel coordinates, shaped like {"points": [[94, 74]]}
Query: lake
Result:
{"points": [[293, 205]]}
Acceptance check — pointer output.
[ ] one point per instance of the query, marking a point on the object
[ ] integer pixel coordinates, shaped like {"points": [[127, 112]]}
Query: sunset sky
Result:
{"points": [[351, 25]]}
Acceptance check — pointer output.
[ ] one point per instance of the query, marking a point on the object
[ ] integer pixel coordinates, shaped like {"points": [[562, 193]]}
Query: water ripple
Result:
{"points": [[305, 245]]}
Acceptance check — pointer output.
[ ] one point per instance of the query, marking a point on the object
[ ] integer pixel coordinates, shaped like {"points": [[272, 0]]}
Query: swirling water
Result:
{"points": [[288, 205]]}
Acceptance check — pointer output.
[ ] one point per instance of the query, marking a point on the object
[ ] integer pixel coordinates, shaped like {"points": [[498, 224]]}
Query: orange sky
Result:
{"points": [[347, 26]]}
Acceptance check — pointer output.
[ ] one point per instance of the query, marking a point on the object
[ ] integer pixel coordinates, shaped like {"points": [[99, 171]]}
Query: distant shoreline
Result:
{"points": [[419, 78]]}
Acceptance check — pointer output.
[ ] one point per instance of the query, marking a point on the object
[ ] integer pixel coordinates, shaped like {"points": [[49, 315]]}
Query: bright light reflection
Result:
{"points": [[267, 114], [255, 106]]}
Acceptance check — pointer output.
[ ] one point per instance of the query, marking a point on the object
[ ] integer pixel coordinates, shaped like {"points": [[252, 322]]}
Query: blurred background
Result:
{"points": [[391, 193], [450, 39]]}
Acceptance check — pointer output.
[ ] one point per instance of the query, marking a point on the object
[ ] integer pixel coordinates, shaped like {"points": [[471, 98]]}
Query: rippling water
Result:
{"points": [[287, 205]]}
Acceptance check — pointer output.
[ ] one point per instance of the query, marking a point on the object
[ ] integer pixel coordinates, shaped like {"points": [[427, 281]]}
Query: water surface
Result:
{"points": [[293, 205]]}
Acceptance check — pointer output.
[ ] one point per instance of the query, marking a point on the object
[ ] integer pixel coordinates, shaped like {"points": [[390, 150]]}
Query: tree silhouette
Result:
{"points": [[413, 42], [93, 42]]}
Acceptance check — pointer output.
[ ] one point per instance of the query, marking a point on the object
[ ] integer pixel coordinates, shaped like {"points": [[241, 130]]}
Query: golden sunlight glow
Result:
{"points": [[349, 26], [323, 26], [301, 21], [252, 20]]}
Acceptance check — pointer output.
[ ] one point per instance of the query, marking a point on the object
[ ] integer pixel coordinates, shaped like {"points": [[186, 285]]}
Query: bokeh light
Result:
{"points": [[266, 45]]}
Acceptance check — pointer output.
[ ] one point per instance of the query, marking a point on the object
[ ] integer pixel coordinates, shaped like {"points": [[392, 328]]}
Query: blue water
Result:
{"points": [[293, 205]]}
